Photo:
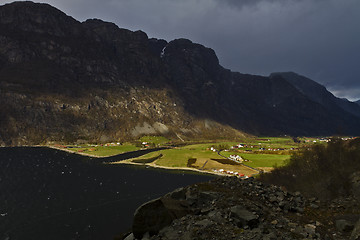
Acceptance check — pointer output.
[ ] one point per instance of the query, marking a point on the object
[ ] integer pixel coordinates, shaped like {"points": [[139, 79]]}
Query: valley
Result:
{"points": [[96, 120]]}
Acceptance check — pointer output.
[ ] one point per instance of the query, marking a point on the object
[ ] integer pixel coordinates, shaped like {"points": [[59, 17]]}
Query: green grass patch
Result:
{"points": [[175, 157], [273, 142], [264, 160], [198, 147], [178, 157], [147, 160], [158, 140], [104, 151], [148, 155]]}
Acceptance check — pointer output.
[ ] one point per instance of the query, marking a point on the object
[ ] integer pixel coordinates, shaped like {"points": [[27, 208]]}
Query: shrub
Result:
{"points": [[321, 170], [221, 147], [191, 162]]}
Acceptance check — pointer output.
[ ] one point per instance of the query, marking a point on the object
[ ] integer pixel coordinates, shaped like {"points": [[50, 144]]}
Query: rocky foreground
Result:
{"points": [[231, 208]]}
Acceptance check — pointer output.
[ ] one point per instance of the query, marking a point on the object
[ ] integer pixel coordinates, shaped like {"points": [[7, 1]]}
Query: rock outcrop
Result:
{"points": [[355, 235], [355, 182], [230, 208]]}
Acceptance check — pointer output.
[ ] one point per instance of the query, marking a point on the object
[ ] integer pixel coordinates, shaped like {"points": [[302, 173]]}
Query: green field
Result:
{"points": [[104, 151], [178, 157], [204, 146], [273, 142], [261, 152], [264, 160], [258, 159], [158, 140]]}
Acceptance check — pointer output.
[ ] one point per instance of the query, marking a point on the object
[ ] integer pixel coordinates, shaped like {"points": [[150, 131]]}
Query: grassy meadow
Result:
{"points": [[103, 151], [262, 153], [264, 160]]}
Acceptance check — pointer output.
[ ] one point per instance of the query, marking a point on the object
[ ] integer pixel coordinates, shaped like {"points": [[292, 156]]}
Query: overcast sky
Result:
{"points": [[319, 39]]}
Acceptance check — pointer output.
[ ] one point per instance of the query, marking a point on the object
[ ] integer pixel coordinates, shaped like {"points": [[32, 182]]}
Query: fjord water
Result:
{"points": [[51, 194]]}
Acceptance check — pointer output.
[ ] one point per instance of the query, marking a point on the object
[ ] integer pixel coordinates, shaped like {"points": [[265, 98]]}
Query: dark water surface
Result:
{"points": [[50, 194]]}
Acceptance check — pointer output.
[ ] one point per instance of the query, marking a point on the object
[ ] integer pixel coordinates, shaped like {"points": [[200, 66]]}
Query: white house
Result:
{"points": [[236, 158]]}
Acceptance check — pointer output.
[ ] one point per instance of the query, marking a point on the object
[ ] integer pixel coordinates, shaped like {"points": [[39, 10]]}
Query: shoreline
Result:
{"points": [[170, 168], [125, 162], [80, 153], [152, 165], [60, 149]]}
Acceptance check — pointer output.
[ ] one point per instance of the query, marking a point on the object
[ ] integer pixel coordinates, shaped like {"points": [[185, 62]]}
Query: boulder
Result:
{"points": [[153, 216], [243, 217], [343, 225], [204, 223], [216, 217], [355, 234], [130, 237], [355, 184], [310, 229]]}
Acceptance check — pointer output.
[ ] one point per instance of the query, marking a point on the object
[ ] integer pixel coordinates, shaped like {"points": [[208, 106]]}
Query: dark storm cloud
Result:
{"points": [[316, 38], [251, 3], [319, 39], [247, 3]]}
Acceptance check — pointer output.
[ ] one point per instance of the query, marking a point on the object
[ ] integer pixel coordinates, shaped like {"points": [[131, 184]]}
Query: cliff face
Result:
{"points": [[62, 80]]}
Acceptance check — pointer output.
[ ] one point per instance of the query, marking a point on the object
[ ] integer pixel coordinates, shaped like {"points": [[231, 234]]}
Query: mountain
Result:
{"points": [[62, 80], [319, 94], [358, 102]]}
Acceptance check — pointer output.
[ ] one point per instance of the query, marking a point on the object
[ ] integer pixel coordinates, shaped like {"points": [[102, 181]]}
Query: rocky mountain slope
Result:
{"points": [[230, 208], [319, 94], [63, 80], [358, 102]]}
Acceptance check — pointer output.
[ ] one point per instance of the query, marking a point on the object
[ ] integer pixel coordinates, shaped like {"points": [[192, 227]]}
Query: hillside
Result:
{"points": [[319, 94], [63, 80]]}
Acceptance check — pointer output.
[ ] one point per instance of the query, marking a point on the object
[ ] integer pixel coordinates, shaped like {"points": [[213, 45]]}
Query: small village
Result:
{"points": [[231, 173]]}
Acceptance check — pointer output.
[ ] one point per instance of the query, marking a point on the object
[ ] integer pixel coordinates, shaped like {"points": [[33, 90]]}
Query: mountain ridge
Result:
{"points": [[318, 93], [62, 80]]}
